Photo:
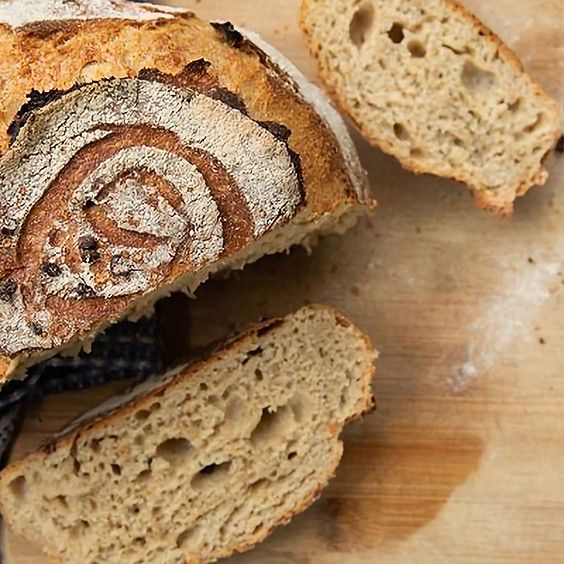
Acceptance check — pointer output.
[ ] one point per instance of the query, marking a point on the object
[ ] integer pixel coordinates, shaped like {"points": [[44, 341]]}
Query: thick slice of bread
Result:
{"points": [[145, 149], [427, 82], [203, 462]]}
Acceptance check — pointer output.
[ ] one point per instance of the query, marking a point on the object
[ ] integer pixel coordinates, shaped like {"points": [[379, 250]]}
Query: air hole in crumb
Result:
{"points": [[273, 425], [74, 456], [174, 451], [183, 538], [203, 386], [18, 487], [144, 476], [209, 469], [292, 455], [259, 376], [395, 33], [116, 469], [236, 409], [211, 475], [416, 48], [300, 406], [257, 528], [401, 132], [252, 354], [139, 541], [477, 80], [537, 123], [515, 106], [362, 23], [95, 444], [79, 528], [466, 50], [416, 153], [382, 64], [62, 501], [258, 483], [144, 414]]}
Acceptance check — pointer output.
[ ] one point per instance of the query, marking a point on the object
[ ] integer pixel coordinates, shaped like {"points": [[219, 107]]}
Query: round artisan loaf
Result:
{"points": [[144, 149]]}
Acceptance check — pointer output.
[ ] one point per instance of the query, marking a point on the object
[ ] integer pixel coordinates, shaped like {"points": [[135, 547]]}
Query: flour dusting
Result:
{"points": [[463, 376], [505, 318]]}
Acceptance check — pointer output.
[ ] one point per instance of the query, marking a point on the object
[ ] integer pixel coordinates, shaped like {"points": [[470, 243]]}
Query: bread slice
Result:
{"points": [[203, 462], [144, 150], [427, 82]]}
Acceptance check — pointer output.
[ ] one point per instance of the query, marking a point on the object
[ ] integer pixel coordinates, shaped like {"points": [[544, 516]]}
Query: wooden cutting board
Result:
{"points": [[464, 460]]}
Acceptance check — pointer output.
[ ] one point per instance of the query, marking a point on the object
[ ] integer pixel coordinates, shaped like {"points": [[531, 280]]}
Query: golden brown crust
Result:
{"points": [[111, 48], [56, 57], [487, 200], [128, 200]]}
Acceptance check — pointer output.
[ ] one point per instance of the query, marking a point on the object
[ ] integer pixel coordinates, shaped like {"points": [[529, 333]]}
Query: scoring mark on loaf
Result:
{"points": [[115, 187]]}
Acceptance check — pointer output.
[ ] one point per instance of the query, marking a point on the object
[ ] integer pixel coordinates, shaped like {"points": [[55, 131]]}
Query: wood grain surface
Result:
{"points": [[464, 459]]}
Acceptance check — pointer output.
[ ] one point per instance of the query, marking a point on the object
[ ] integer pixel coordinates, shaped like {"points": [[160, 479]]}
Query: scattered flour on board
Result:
{"points": [[505, 317]]}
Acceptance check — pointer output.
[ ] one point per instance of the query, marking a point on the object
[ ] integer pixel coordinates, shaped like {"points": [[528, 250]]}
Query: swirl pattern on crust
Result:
{"points": [[116, 188]]}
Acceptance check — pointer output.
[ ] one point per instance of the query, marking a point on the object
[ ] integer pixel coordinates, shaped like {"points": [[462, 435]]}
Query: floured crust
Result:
{"points": [[135, 198], [78, 254], [499, 200], [117, 410], [22, 13]]}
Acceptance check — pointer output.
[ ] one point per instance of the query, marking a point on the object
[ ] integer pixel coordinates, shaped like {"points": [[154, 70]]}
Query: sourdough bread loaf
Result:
{"points": [[427, 82], [205, 461], [144, 149]]}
